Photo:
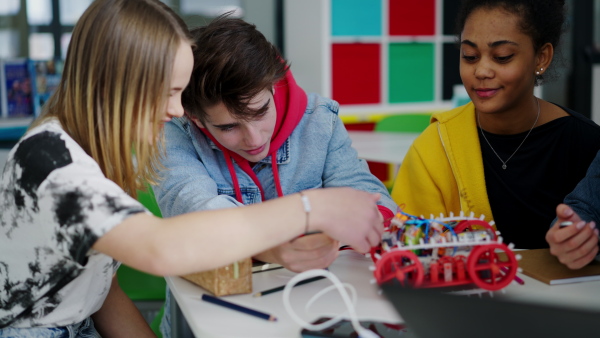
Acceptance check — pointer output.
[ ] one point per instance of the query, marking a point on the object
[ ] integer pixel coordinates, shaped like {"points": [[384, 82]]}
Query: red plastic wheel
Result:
{"points": [[475, 224], [402, 265], [492, 267]]}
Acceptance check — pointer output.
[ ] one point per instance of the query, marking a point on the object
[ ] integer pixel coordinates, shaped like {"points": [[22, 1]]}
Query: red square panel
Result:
{"points": [[360, 126], [380, 170], [356, 71], [412, 17]]}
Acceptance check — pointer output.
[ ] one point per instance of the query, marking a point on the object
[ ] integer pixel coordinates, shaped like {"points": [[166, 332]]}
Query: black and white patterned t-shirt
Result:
{"points": [[55, 202]]}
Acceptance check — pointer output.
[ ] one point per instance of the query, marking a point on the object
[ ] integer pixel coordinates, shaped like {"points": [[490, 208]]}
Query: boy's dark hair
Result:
{"points": [[233, 62], [542, 20]]}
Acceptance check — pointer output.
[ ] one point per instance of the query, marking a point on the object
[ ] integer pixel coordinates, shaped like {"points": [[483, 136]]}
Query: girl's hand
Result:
{"points": [[348, 215]]}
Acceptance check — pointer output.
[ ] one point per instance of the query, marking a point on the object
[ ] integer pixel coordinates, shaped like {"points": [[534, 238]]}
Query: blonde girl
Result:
{"points": [[67, 192]]}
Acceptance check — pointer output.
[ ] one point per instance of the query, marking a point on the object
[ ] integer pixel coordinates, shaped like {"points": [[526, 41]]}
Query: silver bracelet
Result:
{"points": [[306, 204]]}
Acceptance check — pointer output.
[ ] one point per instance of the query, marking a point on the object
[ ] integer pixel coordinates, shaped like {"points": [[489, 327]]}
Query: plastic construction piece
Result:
{"points": [[444, 251]]}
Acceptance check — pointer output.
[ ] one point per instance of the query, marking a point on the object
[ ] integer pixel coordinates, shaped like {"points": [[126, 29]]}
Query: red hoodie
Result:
{"points": [[290, 103]]}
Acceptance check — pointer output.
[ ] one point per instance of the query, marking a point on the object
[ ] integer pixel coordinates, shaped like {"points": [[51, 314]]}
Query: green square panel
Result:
{"points": [[411, 72]]}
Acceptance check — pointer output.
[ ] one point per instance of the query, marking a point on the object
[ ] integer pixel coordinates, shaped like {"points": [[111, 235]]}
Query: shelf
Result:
{"points": [[13, 128]]}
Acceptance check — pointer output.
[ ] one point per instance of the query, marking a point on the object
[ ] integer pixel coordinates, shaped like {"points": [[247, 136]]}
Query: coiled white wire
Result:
{"points": [[336, 284]]}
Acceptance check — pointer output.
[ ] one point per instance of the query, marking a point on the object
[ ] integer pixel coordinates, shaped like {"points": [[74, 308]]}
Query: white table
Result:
{"points": [[207, 320], [386, 147]]}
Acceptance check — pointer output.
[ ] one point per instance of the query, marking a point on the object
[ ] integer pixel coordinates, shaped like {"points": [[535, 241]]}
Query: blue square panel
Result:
{"points": [[355, 17]]}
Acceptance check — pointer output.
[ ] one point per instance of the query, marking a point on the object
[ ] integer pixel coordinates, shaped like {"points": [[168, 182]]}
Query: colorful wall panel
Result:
{"points": [[356, 17], [411, 68], [356, 73], [411, 17], [375, 56]]}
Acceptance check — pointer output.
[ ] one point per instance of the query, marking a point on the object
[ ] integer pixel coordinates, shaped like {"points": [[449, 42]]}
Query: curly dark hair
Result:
{"points": [[233, 62], [542, 20]]}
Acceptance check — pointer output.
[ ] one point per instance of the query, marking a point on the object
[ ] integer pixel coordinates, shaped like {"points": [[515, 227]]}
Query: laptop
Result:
{"points": [[433, 313]]}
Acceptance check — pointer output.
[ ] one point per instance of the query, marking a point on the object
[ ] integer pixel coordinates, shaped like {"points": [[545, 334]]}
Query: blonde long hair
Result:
{"points": [[115, 85]]}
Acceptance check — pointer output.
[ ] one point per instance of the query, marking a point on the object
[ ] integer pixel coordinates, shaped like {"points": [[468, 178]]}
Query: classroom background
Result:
{"points": [[377, 58]]}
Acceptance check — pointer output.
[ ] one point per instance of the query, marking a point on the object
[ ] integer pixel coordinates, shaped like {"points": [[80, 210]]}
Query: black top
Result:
{"points": [[547, 167]]}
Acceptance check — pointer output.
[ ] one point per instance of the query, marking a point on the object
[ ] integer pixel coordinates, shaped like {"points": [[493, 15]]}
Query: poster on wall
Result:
{"points": [[45, 77], [16, 89]]}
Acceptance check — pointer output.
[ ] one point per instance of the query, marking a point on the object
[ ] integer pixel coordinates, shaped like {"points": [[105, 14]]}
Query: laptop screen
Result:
{"points": [[432, 313]]}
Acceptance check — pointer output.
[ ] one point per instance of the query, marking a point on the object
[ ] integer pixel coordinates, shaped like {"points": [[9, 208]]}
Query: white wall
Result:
{"points": [[307, 48], [262, 14]]}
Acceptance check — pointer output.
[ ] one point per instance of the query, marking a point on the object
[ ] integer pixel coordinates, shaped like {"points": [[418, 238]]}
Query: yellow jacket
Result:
{"points": [[443, 170]]}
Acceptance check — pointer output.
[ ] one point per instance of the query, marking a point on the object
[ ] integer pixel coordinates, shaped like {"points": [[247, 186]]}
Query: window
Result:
{"points": [[9, 7], [50, 23]]}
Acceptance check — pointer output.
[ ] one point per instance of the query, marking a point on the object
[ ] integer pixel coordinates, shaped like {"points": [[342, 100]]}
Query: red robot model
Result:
{"points": [[445, 251]]}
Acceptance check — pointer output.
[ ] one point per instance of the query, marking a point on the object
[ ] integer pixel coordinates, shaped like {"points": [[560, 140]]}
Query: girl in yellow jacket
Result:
{"points": [[507, 155]]}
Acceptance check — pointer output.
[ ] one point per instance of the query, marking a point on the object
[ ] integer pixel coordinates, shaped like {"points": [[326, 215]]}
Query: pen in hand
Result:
{"points": [[565, 224], [569, 223], [580, 225]]}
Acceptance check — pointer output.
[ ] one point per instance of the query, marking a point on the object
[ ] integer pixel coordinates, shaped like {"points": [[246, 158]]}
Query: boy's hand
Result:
{"points": [[316, 251]]}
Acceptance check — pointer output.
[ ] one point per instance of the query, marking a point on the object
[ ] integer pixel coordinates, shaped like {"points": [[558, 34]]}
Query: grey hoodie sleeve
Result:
{"points": [[585, 198]]}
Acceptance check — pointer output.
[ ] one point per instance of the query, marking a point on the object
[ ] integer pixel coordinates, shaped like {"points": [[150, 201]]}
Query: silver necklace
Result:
{"points": [[513, 154]]}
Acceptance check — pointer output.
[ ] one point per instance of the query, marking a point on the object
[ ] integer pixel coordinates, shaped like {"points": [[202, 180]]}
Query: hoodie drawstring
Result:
{"points": [[234, 179], [246, 168]]}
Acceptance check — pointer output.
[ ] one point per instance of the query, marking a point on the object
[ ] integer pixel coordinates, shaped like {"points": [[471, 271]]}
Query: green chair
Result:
{"points": [[141, 287], [403, 123], [406, 123]]}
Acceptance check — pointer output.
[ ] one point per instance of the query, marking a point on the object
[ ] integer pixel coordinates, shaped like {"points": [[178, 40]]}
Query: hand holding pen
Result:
{"points": [[573, 241]]}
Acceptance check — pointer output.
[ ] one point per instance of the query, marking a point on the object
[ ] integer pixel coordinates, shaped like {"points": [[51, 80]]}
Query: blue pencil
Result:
{"points": [[219, 301]]}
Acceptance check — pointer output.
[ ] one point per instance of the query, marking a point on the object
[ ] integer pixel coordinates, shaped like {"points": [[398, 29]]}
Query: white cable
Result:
{"points": [[329, 288], [341, 287]]}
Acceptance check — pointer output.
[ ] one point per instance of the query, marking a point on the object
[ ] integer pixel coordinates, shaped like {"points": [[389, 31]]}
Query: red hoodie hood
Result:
{"points": [[290, 103]]}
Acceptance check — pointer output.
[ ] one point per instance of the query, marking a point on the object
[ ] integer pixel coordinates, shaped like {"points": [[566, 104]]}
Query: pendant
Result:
{"points": [[504, 166]]}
